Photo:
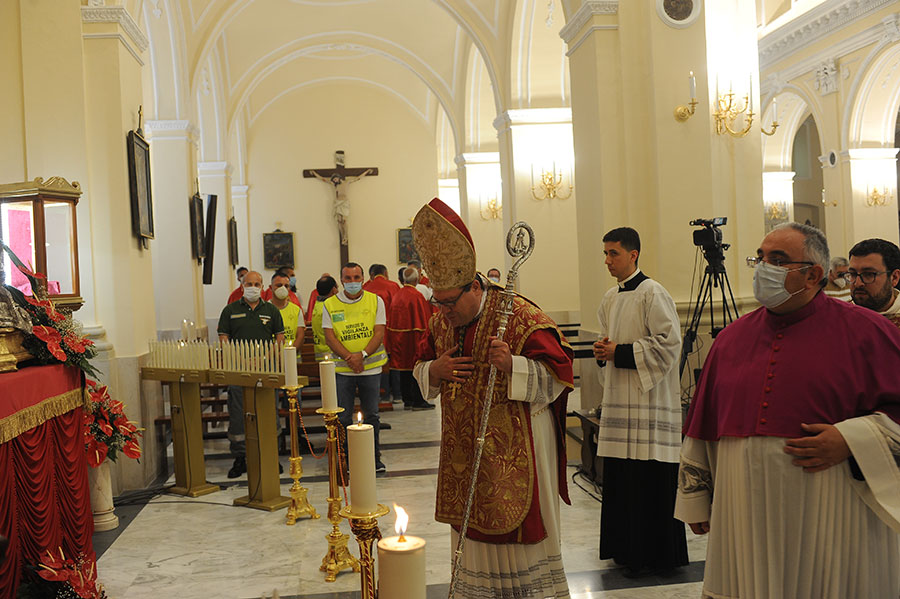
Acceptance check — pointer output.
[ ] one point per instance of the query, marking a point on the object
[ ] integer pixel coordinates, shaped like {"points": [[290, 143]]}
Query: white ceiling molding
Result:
{"points": [[588, 10], [811, 27], [116, 14], [484, 19], [775, 81], [330, 3], [532, 116], [117, 36]]}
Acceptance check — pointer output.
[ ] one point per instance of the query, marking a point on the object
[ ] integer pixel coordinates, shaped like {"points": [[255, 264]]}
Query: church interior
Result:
{"points": [[153, 146]]}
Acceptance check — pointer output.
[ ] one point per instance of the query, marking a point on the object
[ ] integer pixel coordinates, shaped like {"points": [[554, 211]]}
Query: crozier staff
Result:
{"points": [[513, 543]]}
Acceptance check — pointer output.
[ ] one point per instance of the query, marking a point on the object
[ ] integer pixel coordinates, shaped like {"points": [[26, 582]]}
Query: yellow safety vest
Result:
{"points": [[290, 315], [322, 349], [354, 326]]}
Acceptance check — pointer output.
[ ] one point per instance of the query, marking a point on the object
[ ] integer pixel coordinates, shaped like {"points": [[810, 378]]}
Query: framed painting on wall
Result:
{"points": [[406, 249], [210, 238], [278, 249], [139, 185], [233, 257], [198, 243]]}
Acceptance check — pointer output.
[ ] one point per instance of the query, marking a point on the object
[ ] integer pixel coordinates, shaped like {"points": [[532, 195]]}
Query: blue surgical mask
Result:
{"points": [[353, 288], [294, 282]]}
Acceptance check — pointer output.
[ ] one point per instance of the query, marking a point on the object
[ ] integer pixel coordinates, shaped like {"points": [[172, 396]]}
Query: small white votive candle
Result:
{"points": [[361, 447], [401, 563]]}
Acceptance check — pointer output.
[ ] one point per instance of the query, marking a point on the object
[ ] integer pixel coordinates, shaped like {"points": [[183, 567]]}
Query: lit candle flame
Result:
{"points": [[402, 521], [359, 419]]}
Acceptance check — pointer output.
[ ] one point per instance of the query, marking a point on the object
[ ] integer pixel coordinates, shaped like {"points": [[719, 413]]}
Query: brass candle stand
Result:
{"points": [[365, 528], [338, 557], [300, 505]]}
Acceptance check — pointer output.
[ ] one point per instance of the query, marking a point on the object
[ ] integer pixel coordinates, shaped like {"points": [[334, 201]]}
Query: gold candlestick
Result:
{"points": [[300, 505], [365, 528], [338, 557]]}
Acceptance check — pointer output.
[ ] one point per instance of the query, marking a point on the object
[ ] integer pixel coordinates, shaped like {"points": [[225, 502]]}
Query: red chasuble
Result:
{"points": [[768, 373], [311, 305], [236, 294], [383, 288], [408, 320], [506, 507]]}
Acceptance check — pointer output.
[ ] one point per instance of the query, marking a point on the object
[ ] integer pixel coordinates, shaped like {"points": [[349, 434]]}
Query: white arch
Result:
{"points": [[795, 104], [871, 117]]}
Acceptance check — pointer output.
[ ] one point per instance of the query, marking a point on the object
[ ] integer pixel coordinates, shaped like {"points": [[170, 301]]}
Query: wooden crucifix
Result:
{"points": [[341, 177]]}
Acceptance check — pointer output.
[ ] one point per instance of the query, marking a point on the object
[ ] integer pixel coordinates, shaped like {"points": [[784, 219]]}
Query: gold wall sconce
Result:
{"points": [[493, 210], [825, 202], [682, 112], [728, 110], [878, 197], [774, 120], [550, 185], [777, 211]]}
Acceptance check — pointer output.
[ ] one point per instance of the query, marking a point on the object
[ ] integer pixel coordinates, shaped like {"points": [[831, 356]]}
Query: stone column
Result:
{"points": [[534, 141], [177, 274], [873, 193], [479, 186], [215, 178]]}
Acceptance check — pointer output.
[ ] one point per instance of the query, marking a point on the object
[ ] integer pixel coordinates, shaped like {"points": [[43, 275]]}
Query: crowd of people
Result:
{"points": [[787, 457]]}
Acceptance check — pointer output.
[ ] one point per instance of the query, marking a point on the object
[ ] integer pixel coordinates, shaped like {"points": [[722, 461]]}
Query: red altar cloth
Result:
{"points": [[44, 496]]}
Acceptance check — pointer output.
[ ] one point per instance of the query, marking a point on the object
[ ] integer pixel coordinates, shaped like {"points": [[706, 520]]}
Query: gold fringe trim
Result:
{"points": [[32, 416]]}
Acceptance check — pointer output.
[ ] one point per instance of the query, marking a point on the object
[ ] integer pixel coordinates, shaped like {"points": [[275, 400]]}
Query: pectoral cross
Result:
{"points": [[341, 177]]}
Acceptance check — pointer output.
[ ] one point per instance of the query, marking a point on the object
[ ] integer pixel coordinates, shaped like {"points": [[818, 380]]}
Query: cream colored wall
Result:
{"points": [[302, 130], [12, 110]]}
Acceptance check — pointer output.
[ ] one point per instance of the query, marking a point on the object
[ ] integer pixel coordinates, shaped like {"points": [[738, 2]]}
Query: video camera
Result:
{"points": [[709, 239]]}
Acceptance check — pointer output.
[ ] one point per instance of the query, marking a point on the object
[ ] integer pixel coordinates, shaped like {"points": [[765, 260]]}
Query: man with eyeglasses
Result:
{"points": [[792, 442], [513, 540], [838, 286], [873, 277]]}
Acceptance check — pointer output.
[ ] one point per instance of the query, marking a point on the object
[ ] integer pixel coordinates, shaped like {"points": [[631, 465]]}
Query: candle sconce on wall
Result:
{"points": [[492, 209], [777, 211], [878, 197], [728, 110], [826, 202], [682, 112], [550, 184]]}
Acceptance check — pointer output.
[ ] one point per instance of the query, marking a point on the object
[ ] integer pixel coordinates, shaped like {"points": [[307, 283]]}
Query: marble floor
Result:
{"points": [[172, 546]]}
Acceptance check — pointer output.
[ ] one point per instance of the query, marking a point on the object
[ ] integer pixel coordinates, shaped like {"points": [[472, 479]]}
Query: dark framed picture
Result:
{"points": [[233, 257], [210, 238], [139, 183], [406, 249], [198, 243], [278, 250]]}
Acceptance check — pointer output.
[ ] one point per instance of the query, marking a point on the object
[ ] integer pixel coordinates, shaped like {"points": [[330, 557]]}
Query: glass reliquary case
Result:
{"points": [[38, 223]]}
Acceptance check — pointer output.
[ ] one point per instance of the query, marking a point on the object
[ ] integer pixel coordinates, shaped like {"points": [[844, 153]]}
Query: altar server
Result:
{"points": [[640, 415]]}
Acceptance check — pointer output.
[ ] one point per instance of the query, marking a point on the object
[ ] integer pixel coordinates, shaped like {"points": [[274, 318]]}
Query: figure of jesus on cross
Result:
{"points": [[341, 177]]}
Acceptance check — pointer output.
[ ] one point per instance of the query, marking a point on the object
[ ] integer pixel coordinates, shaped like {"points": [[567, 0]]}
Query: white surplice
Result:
{"points": [[778, 532], [640, 417]]}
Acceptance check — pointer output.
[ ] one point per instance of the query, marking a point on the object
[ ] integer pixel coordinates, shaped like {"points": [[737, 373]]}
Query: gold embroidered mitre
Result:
{"points": [[444, 243]]}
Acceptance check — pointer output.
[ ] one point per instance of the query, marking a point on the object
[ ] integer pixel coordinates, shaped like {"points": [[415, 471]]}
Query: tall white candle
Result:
{"points": [[361, 447], [290, 366], [692, 85], [329, 385], [401, 563]]}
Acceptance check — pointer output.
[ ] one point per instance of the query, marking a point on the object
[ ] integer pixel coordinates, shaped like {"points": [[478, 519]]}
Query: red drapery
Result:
{"points": [[44, 496]]}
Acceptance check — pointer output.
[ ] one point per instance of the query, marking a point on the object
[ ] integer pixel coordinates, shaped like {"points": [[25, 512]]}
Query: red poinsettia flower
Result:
{"points": [[96, 452], [132, 449]]}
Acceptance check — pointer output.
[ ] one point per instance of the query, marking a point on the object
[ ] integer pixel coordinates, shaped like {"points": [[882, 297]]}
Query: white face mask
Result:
{"points": [[768, 284], [841, 282], [251, 294], [281, 293], [494, 279]]}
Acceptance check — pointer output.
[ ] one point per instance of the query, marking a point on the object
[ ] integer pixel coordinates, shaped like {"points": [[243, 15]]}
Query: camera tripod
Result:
{"points": [[714, 277]]}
